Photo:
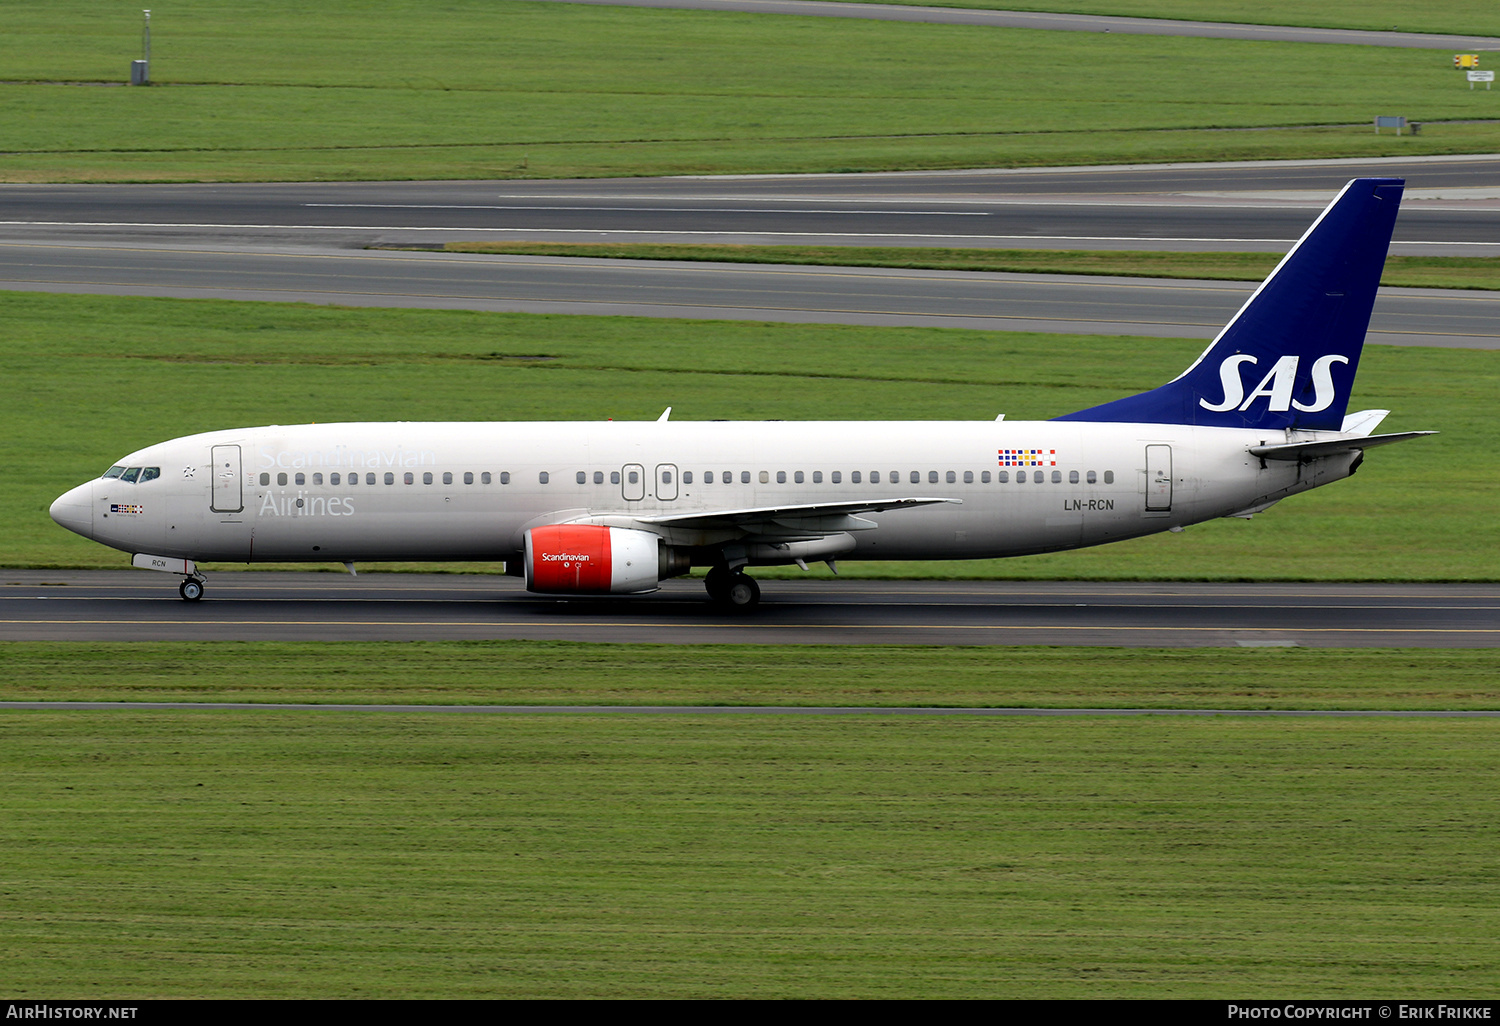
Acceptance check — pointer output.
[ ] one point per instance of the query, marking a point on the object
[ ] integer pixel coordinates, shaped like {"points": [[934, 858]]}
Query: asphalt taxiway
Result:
{"points": [[1055, 22], [301, 606], [1451, 207]]}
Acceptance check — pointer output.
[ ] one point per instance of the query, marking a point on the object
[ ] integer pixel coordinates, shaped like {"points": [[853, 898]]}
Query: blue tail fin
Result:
{"points": [[1287, 359]]}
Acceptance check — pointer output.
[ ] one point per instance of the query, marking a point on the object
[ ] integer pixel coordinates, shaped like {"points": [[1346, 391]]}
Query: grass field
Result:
{"points": [[499, 89], [1407, 271], [224, 854], [94, 377], [546, 673]]}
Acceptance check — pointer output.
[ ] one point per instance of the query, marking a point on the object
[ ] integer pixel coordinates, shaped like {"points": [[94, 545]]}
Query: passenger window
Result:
{"points": [[581, 477], [875, 477], [334, 479], [951, 478], [318, 478], [932, 477], [1072, 477], [504, 477], [633, 477], [598, 477], [370, 478], [265, 479], [968, 477], [1057, 477], [666, 477], [1109, 477], [544, 477], [301, 479], [1003, 476], [468, 477], [817, 477], [447, 477], [281, 479], [744, 477], [427, 477], [409, 478], [1093, 478], [390, 478], [687, 477], [614, 477], [837, 476], [708, 477], [797, 477], [765, 477], [854, 477], [781, 477]]}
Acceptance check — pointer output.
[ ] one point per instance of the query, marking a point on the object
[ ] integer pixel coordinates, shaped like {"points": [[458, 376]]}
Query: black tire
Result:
{"points": [[717, 582], [742, 593], [190, 590]]}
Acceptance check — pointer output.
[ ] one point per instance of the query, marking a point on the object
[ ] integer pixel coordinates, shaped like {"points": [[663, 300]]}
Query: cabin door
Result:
{"points": [[1158, 478], [226, 494]]}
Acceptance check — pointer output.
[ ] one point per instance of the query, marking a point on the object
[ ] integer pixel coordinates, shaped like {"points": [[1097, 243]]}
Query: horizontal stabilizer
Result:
{"points": [[1332, 447]]}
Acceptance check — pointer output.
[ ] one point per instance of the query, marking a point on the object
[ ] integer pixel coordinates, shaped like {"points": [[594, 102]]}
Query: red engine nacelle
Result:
{"points": [[591, 560]]}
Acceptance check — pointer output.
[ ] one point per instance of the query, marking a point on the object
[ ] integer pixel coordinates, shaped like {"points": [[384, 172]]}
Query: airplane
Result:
{"points": [[615, 508]]}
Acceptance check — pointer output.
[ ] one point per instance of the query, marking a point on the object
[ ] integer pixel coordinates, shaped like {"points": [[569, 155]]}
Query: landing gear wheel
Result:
{"points": [[190, 590], [742, 593], [717, 582]]}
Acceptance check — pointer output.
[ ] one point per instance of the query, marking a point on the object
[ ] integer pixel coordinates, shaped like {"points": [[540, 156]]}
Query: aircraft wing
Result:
{"points": [[813, 518], [1313, 450]]}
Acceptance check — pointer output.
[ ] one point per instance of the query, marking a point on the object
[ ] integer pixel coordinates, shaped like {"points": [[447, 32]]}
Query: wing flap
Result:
{"points": [[811, 519]]}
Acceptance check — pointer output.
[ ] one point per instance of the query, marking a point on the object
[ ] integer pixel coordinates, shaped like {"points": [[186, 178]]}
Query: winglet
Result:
{"points": [[1288, 358]]}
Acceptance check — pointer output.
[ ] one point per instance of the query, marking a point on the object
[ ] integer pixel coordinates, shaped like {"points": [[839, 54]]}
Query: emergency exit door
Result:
{"points": [[666, 481], [633, 482]]}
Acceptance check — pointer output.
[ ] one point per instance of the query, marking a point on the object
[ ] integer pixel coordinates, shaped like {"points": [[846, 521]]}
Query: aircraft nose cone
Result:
{"points": [[75, 510]]}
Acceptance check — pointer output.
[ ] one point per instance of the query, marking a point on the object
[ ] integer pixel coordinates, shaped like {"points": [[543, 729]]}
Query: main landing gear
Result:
{"points": [[734, 589], [191, 589]]}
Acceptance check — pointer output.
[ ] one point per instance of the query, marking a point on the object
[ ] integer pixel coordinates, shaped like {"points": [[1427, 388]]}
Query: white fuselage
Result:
{"points": [[469, 491]]}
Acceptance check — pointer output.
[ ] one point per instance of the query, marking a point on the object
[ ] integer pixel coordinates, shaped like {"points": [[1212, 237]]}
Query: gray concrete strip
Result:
{"points": [[1079, 304], [1051, 22]]}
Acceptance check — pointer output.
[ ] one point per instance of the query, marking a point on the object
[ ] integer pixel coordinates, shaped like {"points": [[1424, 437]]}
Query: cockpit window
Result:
{"points": [[114, 472], [130, 475], [149, 474]]}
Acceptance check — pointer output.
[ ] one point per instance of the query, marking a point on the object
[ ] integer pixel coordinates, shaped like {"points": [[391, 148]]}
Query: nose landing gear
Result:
{"points": [[191, 589]]}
